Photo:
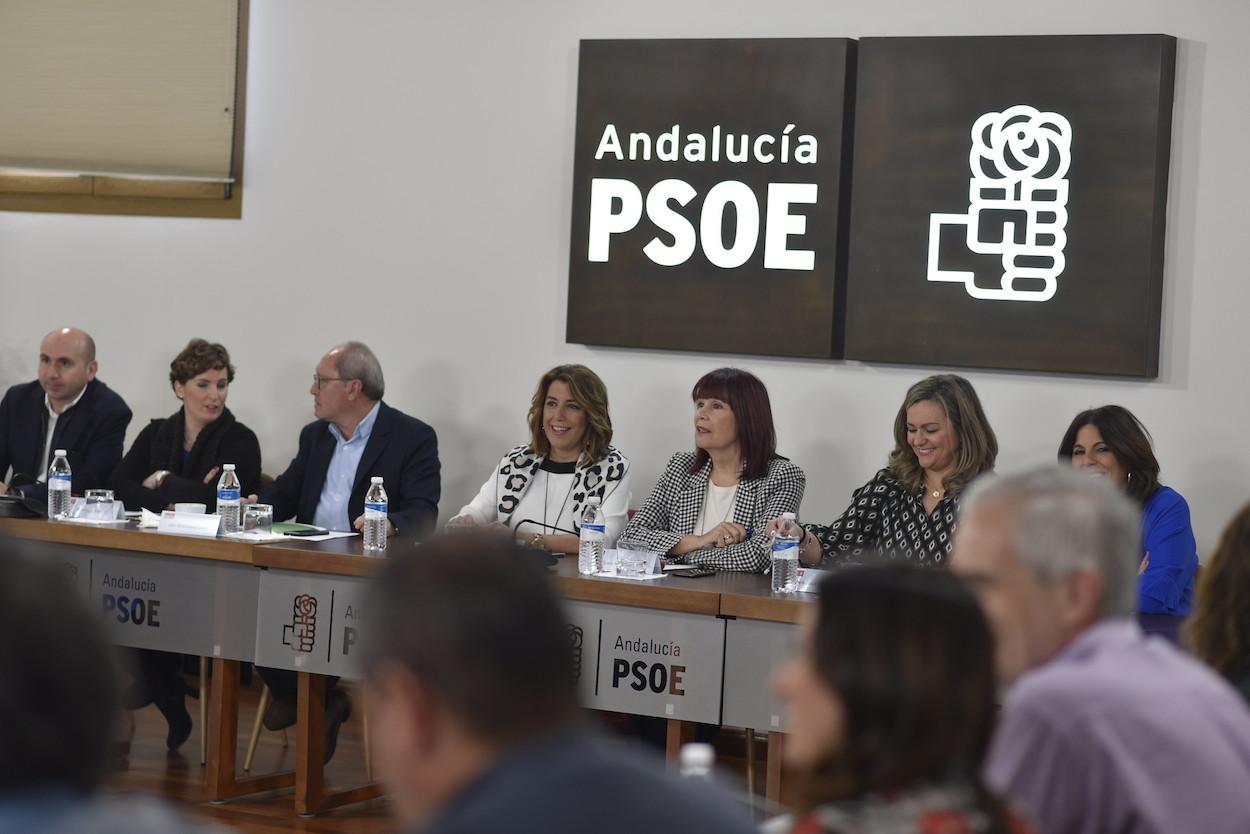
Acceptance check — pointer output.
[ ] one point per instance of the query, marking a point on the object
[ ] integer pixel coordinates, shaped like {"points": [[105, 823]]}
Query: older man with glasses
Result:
{"points": [[1103, 730], [356, 436]]}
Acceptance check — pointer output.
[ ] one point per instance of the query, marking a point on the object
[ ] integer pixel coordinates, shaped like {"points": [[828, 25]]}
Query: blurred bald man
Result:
{"points": [[65, 408]]}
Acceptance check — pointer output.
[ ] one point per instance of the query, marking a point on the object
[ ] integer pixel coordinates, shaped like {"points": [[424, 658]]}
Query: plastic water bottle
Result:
{"points": [[375, 517], [696, 760], [229, 500], [59, 486], [590, 539], [785, 556]]}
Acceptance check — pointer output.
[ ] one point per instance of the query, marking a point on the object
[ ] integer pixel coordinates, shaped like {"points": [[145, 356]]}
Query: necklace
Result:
{"points": [[563, 504]]}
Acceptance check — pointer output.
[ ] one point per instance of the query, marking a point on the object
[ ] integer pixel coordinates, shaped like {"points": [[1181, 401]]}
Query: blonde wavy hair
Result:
{"points": [[978, 447], [1219, 630], [590, 393]]}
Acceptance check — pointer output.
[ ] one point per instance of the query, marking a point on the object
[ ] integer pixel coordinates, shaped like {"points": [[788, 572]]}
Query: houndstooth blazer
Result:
{"points": [[672, 510]]}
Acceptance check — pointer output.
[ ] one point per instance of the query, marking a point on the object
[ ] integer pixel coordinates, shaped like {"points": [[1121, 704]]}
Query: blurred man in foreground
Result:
{"points": [[58, 701], [1103, 730], [478, 727]]}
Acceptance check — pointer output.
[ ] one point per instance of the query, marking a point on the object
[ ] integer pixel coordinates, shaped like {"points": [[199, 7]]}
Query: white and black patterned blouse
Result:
{"points": [[886, 517], [672, 510]]}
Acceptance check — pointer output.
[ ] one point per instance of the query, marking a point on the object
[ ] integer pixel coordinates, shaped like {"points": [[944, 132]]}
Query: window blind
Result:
{"points": [[140, 88]]}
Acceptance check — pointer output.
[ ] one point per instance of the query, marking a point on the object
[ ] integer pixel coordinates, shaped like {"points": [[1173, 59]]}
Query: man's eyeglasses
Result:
{"points": [[318, 380]]}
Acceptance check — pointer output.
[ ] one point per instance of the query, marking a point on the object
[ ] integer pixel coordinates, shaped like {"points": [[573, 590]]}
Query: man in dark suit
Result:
{"points": [[356, 436], [65, 408]]}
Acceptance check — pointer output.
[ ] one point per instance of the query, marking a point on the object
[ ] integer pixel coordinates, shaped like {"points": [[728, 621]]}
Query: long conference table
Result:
{"points": [[688, 650]]}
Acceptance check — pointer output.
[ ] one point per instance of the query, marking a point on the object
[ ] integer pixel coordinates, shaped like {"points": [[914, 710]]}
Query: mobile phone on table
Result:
{"points": [[693, 572]]}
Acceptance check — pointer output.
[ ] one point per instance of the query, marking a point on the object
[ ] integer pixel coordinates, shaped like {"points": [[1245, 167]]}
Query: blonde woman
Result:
{"points": [[540, 488], [942, 441]]}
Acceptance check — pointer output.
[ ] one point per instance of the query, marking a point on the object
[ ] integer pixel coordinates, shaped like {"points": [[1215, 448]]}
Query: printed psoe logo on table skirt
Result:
{"points": [[576, 638], [301, 634], [1019, 167]]}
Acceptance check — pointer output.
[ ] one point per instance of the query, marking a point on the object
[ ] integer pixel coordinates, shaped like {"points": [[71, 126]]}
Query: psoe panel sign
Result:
{"points": [[648, 662], [707, 192]]}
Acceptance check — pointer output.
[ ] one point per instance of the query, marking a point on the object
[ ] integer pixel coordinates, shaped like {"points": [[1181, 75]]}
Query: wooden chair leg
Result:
{"points": [[751, 765], [364, 714], [772, 784], [203, 711], [679, 733], [251, 743]]}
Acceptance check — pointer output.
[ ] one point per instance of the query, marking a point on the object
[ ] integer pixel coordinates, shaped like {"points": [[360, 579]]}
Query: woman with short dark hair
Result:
{"points": [[540, 489], [891, 707], [1110, 442], [178, 459], [942, 441], [711, 506]]}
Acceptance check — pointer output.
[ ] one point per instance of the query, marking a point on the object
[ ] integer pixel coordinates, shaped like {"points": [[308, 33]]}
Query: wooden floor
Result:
{"points": [[178, 776]]}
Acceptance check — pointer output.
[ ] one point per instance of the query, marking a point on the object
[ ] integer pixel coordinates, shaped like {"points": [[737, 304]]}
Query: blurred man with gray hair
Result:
{"points": [[1103, 730]]}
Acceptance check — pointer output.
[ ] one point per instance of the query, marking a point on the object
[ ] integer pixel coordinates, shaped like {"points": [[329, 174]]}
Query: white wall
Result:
{"points": [[408, 183]]}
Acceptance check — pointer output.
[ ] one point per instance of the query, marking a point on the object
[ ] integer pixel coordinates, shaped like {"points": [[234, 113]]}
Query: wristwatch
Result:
{"points": [[539, 541]]}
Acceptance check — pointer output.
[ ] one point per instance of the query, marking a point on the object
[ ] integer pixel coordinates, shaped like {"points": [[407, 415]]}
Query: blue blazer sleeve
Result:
{"points": [[1168, 536], [415, 513]]}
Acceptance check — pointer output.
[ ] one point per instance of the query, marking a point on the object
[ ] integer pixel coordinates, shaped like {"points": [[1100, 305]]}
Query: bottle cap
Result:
{"points": [[60, 453], [789, 516], [697, 756], [228, 467], [376, 479]]}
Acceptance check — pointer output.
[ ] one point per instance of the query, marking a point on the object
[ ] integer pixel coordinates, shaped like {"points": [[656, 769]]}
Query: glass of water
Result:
{"points": [[258, 518], [631, 559], [98, 504]]}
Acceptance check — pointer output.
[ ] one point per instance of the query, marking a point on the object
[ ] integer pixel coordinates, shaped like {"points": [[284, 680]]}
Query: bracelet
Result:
{"points": [[538, 541]]}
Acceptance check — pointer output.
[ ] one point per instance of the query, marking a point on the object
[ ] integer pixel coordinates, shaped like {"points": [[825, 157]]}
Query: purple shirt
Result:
{"points": [[1123, 734]]}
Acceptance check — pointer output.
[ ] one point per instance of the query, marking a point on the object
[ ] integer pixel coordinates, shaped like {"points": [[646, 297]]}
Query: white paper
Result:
{"points": [[256, 536], [147, 518], [80, 512], [323, 538], [96, 522], [189, 524], [809, 579], [611, 574]]}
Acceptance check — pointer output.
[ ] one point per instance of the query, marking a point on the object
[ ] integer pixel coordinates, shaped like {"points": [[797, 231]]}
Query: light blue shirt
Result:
{"points": [[332, 506]]}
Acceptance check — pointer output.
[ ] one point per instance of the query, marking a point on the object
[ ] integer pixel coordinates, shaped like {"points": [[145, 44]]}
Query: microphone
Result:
{"points": [[517, 528]]}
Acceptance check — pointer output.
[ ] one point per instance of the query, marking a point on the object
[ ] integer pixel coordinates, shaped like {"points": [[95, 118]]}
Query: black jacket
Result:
{"points": [[93, 432], [401, 449], [159, 446]]}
